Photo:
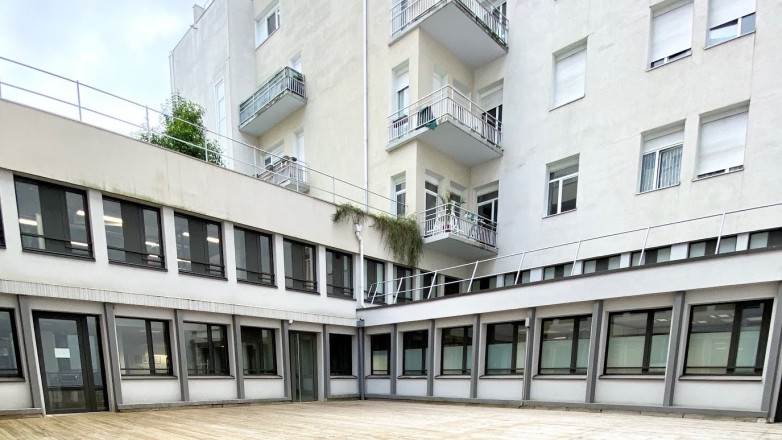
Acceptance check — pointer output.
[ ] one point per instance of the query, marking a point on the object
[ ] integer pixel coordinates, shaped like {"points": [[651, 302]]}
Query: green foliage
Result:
{"points": [[182, 130]]}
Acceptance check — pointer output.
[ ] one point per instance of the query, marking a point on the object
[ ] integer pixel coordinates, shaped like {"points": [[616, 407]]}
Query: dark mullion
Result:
{"points": [[167, 336], [733, 349], [647, 342], [760, 356], [514, 348], [210, 362], [150, 348], [464, 350], [574, 345]]}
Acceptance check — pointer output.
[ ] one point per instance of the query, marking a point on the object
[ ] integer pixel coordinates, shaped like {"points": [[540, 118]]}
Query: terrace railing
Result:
{"points": [[451, 218]]}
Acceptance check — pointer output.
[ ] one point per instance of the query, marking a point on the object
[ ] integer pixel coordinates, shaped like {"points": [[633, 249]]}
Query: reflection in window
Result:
{"points": [[339, 274], [199, 246], [207, 349], [565, 345], [133, 233], [259, 351], [414, 345], [381, 347], [9, 351], [708, 247], [638, 342], [506, 348], [300, 266], [254, 262], [341, 354], [143, 347], [456, 356]]}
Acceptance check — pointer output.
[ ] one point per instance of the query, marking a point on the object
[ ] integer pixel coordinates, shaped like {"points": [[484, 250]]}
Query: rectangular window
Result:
{"points": [[763, 239], [662, 161], [651, 256], [516, 278], [133, 233], [300, 266], [2, 233], [414, 345], [671, 35], [728, 339], [492, 101], [199, 246], [375, 272], [207, 349], [267, 24], [144, 348], [254, 258], [487, 205], [569, 76], [339, 274], [381, 347], [562, 186], [260, 354], [564, 346], [729, 19], [484, 283], [402, 99], [456, 354], [601, 264], [722, 144], [399, 196], [53, 219], [638, 342], [506, 348], [341, 354], [403, 284], [558, 271], [10, 364], [708, 247], [451, 285]]}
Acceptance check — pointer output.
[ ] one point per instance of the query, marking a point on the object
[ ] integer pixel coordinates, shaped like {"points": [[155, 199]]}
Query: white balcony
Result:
{"points": [[274, 101], [473, 32], [288, 173], [451, 123], [452, 230]]}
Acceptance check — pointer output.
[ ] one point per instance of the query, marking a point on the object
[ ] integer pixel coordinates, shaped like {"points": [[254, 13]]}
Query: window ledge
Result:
{"points": [[412, 377], [339, 377], [311, 292], [728, 41], [272, 285], [649, 69], [139, 266], [341, 297], [377, 376], [697, 179], [262, 376], [559, 213], [659, 377], [150, 377], [215, 377], [567, 103], [454, 376], [657, 189], [502, 376], [724, 378], [57, 254], [12, 379], [203, 275], [559, 377]]}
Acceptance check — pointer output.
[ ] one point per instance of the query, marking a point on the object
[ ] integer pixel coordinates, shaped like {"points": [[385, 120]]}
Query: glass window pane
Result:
{"points": [[749, 336], [647, 171], [414, 346], [153, 241], [723, 32], [182, 228], [134, 356], [159, 335], [553, 197], [747, 24], [709, 340], [9, 363], [380, 345], [670, 165], [557, 346], [569, 190]]}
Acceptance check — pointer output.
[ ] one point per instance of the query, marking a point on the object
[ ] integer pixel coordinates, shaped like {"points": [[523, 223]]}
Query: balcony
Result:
{"points": [[451, 123], [288, 173], [277, 99], [452, 230], [471, 31]]}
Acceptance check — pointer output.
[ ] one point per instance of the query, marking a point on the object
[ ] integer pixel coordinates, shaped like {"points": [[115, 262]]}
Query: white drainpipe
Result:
{"points": [[362, 282]]}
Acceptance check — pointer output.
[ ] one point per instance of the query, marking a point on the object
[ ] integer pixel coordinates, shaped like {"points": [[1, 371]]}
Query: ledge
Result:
{"points": [[206, 403], [658, 377], [728, 41], [150, 377], [211, 377], [343, 377], [262, 377], [453, 376], [12, 380], [21, 413], [412, 377], [502, 376], [140, 266], [559, 377], [725, 378], [378, 376], [649, 69]]}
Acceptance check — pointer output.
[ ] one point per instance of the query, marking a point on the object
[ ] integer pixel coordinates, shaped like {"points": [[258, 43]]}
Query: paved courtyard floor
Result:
{"points": [[378, 420]]}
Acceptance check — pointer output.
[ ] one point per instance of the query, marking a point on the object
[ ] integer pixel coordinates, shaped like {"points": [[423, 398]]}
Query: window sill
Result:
{"points": [[139, 266], [341, 297], [215, 377], [57, 254], [559, 213], [150, 377], [696, 179], [728, 41], [411, 377], [567, 103], [649, 69], [454, 376], [723, 378], [262, 376], [657, 189], [341, 377], [378, 376], [658, 377], [12, 379], [311, 292], [272, 285], [203, 275], [258, 45], [560, 377], [502, 376]]}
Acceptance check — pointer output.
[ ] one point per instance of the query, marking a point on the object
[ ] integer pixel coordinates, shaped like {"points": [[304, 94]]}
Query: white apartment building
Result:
{"points": [[595, 186]]}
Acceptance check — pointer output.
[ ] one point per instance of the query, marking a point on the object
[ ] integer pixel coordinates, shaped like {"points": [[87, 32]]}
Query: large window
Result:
{"points": [[53, 219], [300, 266], [662, 160], [728, 339], [722, 143], [564, 347], [381, 348], [763, 239], [456, 355], [558, 271], [375, 272], [143, 347], [506, 348], [339, 274], [133, 233], [341, 354], [601, 264], [709, 247], [651, 256], [207, 349], [267, 23], [671, 35], [569, 75], [729, 19], [260, 355], [254, 260], [562, 186], [414, 345], [403, 284], [10, 365], [638, 342], [199, 246]]}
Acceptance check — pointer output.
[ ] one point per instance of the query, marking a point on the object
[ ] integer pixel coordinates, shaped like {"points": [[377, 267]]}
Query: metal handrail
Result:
{"points": [[405, 12], [452, 218], [286, 80]]}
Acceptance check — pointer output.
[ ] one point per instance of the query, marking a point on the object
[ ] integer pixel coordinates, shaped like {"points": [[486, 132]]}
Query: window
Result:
{"points": [[558, 271], [399, 196], [198, 246], [260, 354], [375, 272], [299, 146], [220, 114], [651, 256], [133, 233], [403, 284], [562, 186], [207, 349], [638, 342], [564, 346], [451, 285], [456, 355], [267, 24], [729, 19], [662, 161], [272, 157], [381, 347], [506, 348], [569, 76], [254, 259], [764, 239], [2, 233], [144, 348], [10, 365], [300, 266], [728, 339], [523, 278], [492, 102], [671, 35], [484, 283], [53, 219], [401, 100], [601, 264], [708, 247], [341, 354], [414, 345], [487, 204], [339, 274], [722, 144]]}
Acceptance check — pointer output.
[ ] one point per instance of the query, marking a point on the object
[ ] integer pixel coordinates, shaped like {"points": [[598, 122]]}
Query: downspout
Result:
{"points": [[366, 114], [362, 281]]}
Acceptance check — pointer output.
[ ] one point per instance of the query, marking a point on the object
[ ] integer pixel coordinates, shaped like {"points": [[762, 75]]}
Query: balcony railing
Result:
{"points": [[286, 171], [406, 12], [286, 80], [451, 218]]}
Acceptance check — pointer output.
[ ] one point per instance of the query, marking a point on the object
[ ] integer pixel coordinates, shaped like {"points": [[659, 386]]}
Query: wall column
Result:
{"points": [[671, 366], [238, 357], [360, 348], [326, 363], [476, 343], [528, 367], [767, 405], [286, 359], [594, 349], [111, 339], [184, 384], [430, 361], [33, 369], [392, 360]]}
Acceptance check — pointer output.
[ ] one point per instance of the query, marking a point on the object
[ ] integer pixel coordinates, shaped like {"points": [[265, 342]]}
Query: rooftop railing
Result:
{"points": [[405, 12], [451, 218], [286, 80]]}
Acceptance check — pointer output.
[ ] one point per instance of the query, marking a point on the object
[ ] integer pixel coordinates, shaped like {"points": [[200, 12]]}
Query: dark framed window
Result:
{"points": [[10, 362], [341, 354], [456, 350], [300, 266], [381, 348], [403, 288], [638, 342], [484, 283], [709, 247], [2, 233], [133, 233], [254, 257], [451, 285], [375, 272], [339, 274], [558, 271], [207, 349], [523, 277], [564, 345], [144, 347], [651, 256], [414, 345], [506, 348], [53, 219], [260, 353], [601, 264], [758, 240], [728, 339], [199, 246]]}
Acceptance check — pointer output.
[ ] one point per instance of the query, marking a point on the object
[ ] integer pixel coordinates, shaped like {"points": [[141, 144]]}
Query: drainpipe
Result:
{"points": [[362, 282], [366, 118]]}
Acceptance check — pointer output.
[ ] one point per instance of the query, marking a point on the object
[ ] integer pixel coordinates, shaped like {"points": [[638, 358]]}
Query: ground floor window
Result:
{"points": [[414, 345], [9, 351], [258, 345], [638, 342], [381, 347], [456, 355], [144, 347], [564, 346], [207, 349], [506, 348], [341, 354]]}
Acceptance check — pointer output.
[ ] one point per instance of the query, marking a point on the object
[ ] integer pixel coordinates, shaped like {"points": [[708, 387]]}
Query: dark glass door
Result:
{"points": [[69, 353], [304, 366]]}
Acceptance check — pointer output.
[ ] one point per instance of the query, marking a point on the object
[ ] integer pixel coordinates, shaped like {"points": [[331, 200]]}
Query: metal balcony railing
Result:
{"points": [[286, 80], [406, 12], [432, 110], [285, 171], [450, 218]]}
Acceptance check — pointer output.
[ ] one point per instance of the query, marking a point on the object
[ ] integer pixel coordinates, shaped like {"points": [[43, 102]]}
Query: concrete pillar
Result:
{"points": [[33, 369], [768, 404], [529, 369], [111, 340], [476, 344], [594, 350], [430, 360], [238, 355], [286, 358], [672, 365], [392, 360], [361, 349], [184, 383], [326, 363]]}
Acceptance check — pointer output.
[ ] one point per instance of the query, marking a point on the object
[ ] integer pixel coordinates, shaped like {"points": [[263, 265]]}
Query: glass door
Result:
{"points": [[304, 366]]}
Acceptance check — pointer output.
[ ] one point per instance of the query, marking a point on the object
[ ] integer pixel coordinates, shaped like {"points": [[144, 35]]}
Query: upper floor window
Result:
{"points": [[10, 364], [709, 247], [341, 354], [506, 348], [254, 259], [207, 349], [381, 347], [488, 204], [199, 246], [456, 356], [558, 271], [451, 285], [53, 219], [339, 274], [651, 256], [662, 160], [601, 264], [402, 284], [260, 355], [722, 142], [133, 233], [638, 342], [570, 75], [564, 346], [399, 195], [514, 278], [491, 101], [764, 239], [671, 35], [267, 24], [414, 346], [729, 19], [375, 272], [562, 185], [402, 94], [300, 266], [144, 347]]}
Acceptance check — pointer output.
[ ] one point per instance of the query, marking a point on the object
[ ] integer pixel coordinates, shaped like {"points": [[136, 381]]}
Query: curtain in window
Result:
{"points": [[670, 164], [723, 11], [722, 144], [672, 32], [647, 172]]}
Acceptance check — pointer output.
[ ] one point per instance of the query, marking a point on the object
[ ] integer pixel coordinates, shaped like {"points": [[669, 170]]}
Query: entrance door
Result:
{"points": [[69, 353], [304, 366]]}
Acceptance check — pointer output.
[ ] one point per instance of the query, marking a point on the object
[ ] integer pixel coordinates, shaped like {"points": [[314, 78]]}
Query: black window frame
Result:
{"points": [[383, 340], [515, 370], [379, 289], [255, 275], [14, 338], [451, 285], [290, 280], [421, 343], [210, 370], [333, 289], [403, 292], [140, 208], [2, 230], [573, 369], [645, 369], [774, 236], [710, 246], [649, 255], [340, 355], [257, 336], [466, 344], [150, 348], [559, 271], [601, 264], [206, 268]]}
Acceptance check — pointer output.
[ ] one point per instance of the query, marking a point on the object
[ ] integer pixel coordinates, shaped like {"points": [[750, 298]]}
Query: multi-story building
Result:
{"points": [[595, 185]]}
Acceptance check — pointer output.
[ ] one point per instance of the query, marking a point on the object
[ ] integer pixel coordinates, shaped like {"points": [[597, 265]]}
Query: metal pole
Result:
{"points": [[518, 272], [719, 236], [573, 269], [78, 99], [474, 269], [434, 281], [149, 128], [643, 249], [333, 190], [398, 287]]}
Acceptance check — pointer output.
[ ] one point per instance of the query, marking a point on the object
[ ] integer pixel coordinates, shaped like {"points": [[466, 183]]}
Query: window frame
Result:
{"points": [[140, 207], [372, 339], [652, 64], [709, 241], [573, 368], [514, 368], [347, 291], [211, 355], [258, 331], [2, 229], [406, 287], [576, 50], [553, 168], [340, 367], [304, 282], [777, 237], [271, 276], [466, 351], [150, 347], [397, 194], [424, 360], [657, 170], [710, 118], [599, 262], [380, 290], [648, 336], [14, 337], [209, 265], [656, 250], [511, 276], [565, 273], [263, 20]]}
